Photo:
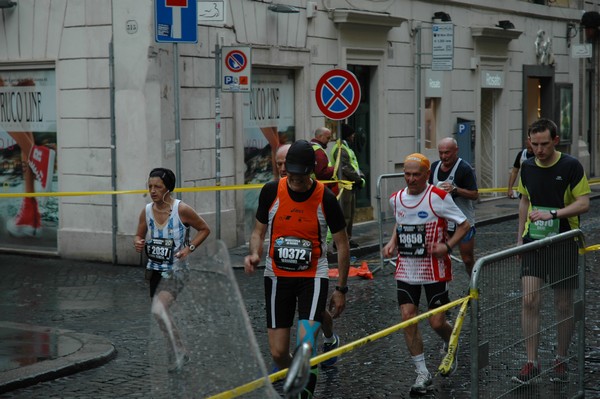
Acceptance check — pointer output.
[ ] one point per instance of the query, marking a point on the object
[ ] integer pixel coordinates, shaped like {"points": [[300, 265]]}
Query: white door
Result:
{"points": [[488, 169]]}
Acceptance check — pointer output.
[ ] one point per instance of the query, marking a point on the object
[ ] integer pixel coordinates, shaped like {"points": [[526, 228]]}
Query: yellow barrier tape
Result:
{"points": [[121, 192], [474, 293], [505, 189], [249, 387], [243, 389], [346, 184], [494, 190], [591, 248], [234, 393], [445, 368]]}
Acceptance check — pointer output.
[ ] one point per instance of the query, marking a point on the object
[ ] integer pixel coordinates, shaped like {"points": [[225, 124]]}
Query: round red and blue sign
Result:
{"points": [[236, 61], [338, 94]]}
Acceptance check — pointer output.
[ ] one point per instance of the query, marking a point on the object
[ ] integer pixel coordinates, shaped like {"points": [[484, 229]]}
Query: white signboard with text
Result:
{"points": [[442, 46]]}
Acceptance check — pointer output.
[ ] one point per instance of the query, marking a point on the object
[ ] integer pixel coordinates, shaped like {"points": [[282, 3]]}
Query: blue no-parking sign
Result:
{"points": [[176, 21], [236, 69]]}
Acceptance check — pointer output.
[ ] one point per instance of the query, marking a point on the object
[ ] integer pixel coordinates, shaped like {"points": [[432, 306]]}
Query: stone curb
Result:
{"points": [[93, 351]]}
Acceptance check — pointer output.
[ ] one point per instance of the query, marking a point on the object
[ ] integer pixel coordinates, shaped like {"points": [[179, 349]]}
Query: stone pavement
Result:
{"points": [[79, 298], [50, 360]]}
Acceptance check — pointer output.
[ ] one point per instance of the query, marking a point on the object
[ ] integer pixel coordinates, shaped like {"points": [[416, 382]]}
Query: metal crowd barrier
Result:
{"points": [[497, 343]]}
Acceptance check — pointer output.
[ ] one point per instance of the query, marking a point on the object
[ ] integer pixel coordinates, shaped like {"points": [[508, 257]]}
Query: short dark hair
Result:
{"points": [[166, 175], [347, 131], [541, 125]]}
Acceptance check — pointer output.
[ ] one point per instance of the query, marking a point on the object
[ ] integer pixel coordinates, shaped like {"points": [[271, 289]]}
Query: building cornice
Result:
{"points": [[359, 17], [492, 32]]}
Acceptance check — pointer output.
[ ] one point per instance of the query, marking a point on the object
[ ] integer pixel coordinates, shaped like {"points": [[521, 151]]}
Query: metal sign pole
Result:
{"points": [[113, 150], [177, 124], [218, 138], [338, 129]]}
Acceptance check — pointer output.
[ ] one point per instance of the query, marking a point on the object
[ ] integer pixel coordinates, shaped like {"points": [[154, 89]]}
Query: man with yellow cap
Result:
{"points": [[420, 237]]}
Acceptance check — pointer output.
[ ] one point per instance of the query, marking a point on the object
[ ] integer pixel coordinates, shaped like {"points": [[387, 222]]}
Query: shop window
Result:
{"points": [[431, 110]]}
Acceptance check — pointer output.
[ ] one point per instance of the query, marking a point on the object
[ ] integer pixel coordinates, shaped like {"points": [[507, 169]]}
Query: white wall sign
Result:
{"points": [[434, 83], [131, 26], [492, 79], [581, 50], [28, 101], [212, 11], [443, 40], [442, 46]]}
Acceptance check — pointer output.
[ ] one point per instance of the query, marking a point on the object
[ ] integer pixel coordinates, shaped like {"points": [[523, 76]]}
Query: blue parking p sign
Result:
{"points": [[176, 21]]}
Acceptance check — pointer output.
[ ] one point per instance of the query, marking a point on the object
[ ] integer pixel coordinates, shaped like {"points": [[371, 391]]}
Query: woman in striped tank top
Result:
{"points": [[166, 221]]}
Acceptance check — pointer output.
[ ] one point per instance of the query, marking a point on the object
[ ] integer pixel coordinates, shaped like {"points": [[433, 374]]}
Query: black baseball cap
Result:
{"points": [[300, 158]]}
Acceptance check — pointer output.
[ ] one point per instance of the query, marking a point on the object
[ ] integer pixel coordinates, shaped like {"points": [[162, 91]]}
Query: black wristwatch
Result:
{"points": [[554, 213], [449, 248], [343, 290]]}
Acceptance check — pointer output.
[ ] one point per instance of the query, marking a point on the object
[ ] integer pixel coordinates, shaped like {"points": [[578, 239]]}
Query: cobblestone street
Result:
{"points": [[112, 301]]}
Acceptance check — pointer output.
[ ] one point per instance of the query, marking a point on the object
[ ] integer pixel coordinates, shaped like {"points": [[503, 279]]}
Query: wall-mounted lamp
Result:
{"points": [[571, 32], [442, 16], [591, 23], [505, 24], [283, 8], [7, 4]]}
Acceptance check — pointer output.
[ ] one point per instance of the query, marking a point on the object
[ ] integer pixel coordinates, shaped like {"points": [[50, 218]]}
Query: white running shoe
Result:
{"points": [[422, 383]]}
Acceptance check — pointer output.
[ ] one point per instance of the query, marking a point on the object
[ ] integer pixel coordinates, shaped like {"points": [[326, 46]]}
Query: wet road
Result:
{"points": [[112, 301]]}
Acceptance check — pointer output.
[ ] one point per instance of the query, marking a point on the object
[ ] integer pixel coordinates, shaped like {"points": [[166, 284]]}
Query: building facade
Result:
{"points": [[102, 102]]}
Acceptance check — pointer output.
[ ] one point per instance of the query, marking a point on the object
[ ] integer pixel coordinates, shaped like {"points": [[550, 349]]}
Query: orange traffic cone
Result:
{"points": [[362, 271]]}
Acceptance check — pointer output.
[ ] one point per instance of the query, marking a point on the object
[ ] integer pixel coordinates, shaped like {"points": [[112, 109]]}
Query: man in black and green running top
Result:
{"points": [[555, 191]]}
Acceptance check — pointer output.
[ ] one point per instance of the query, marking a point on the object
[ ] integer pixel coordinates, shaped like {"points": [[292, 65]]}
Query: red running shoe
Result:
{"points": [[528, 373], [560, 371], [41, 162], [28, 221]]}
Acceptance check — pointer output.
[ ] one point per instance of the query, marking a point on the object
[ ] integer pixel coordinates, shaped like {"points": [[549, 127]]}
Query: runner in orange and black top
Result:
{"points": [[294, 213]]}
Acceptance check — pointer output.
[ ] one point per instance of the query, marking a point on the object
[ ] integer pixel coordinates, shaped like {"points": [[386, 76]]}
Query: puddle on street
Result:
{"points": [[19, 348]]}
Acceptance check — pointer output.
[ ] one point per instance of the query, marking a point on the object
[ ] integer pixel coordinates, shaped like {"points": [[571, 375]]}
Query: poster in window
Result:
{"points": [[564, 112], [28, 156], [268, 112]]}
